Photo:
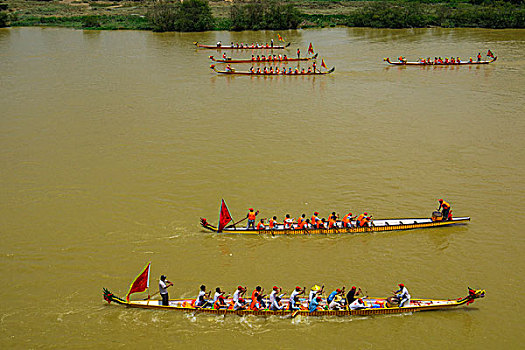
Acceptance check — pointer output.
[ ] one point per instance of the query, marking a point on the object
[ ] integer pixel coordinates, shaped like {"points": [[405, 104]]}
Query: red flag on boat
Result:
{"points": [[280, 37], [224, 216], [141, 283], [490, 54], [323, 64], [311, 49]]}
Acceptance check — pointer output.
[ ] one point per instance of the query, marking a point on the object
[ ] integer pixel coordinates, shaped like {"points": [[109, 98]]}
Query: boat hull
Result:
{"points": [[465, 63], [245, 47], [220, 60], [374, 306], [271, 74], [378, 226]]}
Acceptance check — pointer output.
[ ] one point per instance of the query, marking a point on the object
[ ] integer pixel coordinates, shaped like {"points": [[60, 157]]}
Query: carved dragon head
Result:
{"points": [[475, 294]]}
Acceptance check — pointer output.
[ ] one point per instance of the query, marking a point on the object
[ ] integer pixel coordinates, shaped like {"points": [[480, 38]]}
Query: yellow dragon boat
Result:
{"points": [[372, 306], [375, 226]]}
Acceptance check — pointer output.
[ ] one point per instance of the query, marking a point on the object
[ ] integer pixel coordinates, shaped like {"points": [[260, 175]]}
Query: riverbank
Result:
{"points": [[111, 15]]}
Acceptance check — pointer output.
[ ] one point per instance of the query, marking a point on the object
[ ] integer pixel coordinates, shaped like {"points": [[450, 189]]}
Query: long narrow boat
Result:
{"points": [[235, 72], [462, 63], [243, 47], [372, 306], [377, 226], [267, 60]]}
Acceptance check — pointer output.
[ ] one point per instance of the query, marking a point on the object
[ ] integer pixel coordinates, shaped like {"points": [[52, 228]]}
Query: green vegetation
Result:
{"points": [[200, 15], [415, 14], [264, 14], [3, 19], [188, 16], [86, 22]]}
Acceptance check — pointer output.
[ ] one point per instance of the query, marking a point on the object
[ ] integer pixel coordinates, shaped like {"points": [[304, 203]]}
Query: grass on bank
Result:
{"points": [[200, 15]]}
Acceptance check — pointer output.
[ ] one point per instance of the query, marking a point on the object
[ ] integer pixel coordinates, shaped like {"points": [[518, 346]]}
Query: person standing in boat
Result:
{"points": [[298, 53], [479, 56], [294, 298], [403, 295], [163, 289], [251, 218], [271, 43], [446, 208]]}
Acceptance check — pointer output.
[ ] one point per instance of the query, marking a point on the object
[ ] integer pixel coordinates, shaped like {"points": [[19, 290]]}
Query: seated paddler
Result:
{"points": [[240, 304], [219, 299], [336, 303], [261, 226], [294, 298], [201, 298], [357, 304], [403, 295], [315, 304], [335, 293], [276, 304]]}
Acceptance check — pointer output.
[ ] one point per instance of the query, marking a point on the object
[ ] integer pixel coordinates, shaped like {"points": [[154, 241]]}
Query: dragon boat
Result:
{"points": [[372, 306], [266, 60], [241, 47], [436, 220], [236, 72], [461, 63]]}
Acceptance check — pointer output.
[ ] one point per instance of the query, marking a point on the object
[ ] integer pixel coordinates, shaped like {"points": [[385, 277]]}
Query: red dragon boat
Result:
{"points": [[235, 72], [266, 60], [461, 63], [241, 47]]}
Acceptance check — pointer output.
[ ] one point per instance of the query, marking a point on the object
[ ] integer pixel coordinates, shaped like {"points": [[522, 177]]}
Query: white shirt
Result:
{"points": [[275, 305], [163, 289], [237, 305], [272, 296], [312, 295], [404, 294], [200, 298], [293, 295], [334, 305], [356, 305], [216, 296], [236, 295]]}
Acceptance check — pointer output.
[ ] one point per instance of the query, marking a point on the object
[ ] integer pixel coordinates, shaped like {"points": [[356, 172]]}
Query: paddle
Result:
{"points": [[152, 295]]}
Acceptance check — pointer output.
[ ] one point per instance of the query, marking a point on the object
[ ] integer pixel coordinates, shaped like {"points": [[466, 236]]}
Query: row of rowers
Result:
{"points": [[263, 58], [277, 71], [336, 300], [315, 222]]}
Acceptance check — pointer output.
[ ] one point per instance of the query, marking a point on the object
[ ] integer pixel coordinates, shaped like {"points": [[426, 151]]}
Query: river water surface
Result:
{"points": [[114, 144]]}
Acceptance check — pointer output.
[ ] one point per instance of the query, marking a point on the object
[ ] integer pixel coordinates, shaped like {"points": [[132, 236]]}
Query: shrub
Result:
{"points": [[3, 19], [189, 16], [90, 22], [264, 14]]}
